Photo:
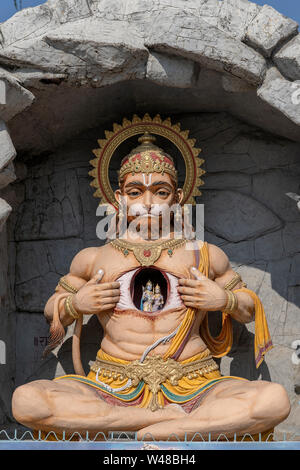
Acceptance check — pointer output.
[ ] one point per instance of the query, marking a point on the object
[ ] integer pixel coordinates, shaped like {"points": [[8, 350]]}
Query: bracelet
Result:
{"points": [[231, 302], [70, 308], [233, 282], [63, 283]]}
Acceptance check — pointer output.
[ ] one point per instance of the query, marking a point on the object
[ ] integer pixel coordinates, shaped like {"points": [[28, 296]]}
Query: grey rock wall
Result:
{"points": [[61, 56], [7, 334]]}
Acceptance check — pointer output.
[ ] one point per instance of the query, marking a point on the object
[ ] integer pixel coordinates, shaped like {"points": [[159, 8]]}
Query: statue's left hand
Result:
{"points": [[202, 293]]}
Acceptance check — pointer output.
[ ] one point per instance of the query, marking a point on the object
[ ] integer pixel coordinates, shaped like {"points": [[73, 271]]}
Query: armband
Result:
{"points": [[232, 302], [69, 308], [234, 282], [65, 285]]}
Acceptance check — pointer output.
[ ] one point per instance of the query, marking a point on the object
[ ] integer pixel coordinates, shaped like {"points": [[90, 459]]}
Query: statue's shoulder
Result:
{"points": [[218, 260], [83, 262]]}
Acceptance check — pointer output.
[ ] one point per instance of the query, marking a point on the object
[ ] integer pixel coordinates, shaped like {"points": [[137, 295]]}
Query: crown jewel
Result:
{"points": [[147, 158]]}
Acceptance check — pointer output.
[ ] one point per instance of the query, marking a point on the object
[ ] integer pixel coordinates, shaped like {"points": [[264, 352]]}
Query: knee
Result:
{"points": [[281, 401], [272, 402], [29, 404]]}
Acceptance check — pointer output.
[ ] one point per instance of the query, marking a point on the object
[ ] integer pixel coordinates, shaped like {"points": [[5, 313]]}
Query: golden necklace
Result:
{"points": [[147, 255]]}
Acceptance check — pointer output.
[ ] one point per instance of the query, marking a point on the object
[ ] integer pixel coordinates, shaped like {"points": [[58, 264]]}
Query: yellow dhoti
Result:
{"points": [[188, 390]]}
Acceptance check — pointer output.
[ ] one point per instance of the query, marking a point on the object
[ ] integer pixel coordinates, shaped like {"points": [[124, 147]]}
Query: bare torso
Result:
{"points": [[128, 332]]}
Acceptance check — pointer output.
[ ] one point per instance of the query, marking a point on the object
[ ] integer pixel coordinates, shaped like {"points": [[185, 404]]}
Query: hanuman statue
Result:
{"points": [[155, 370]]}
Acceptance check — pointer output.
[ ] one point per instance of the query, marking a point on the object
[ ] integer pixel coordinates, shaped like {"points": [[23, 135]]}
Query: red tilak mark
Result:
{"points": [[147, 253]]}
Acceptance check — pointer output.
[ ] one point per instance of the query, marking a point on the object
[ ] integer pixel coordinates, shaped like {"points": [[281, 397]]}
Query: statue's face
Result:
{"points": [[148, 195]]}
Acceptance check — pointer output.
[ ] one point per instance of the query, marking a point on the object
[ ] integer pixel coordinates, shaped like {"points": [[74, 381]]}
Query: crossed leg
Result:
{"points": [[70, 406], [231, 407]]}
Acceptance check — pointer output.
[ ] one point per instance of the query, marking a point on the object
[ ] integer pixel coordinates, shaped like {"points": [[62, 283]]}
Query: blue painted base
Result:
{"points": [[158, 445]]}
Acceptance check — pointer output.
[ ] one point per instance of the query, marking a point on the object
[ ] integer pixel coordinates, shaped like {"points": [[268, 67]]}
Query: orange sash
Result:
{"points": [[221, 345]]}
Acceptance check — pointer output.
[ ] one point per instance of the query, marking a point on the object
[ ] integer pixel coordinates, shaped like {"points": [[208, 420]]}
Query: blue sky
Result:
{"points": [[289, 8]]}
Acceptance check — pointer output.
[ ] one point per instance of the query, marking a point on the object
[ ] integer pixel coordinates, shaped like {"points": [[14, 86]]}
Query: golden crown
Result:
{"points": [[147, 158]]}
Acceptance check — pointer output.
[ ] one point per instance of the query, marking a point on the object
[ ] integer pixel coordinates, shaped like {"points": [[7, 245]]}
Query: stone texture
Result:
{"points": [[292, 325], [235, 85], [39, 265], [269, 152], [235, 16], [7, 152], [288, 59], [171, 71], [7, 332], [268, 29], [240, 253], [86, 45], [294, 277], [72, 10], [31, 366], [101, 56], [253, 274], [71, 110], [51, 213], [273, 293], [14, 98], [278, 92], [195, 40], [281, 368], [270, 188], [36, 79], [35, 22], [236, 181], [270, 246], [87, 52], [83, 43], [291, 237], [289, 430], [246, 219], [30, 347], [7, 175], [5, 210]]}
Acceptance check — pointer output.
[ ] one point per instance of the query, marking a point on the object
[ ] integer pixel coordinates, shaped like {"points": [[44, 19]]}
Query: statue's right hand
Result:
{"points": [[95, 297]]}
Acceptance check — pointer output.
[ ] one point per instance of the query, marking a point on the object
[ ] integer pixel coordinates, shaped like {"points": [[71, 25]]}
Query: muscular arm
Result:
{"points": [[93, 296], [80, 273], [222, 273], [208, 294]]}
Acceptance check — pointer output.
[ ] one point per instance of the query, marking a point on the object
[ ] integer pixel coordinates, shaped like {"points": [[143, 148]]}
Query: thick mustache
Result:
{"points": [[141, 210]]}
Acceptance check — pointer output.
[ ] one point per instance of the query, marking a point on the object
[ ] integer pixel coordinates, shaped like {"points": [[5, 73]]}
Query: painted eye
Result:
{"points": [[134, 193], [162, 193]]}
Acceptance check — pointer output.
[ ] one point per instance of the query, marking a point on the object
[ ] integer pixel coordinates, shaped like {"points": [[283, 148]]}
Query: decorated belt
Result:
{"points": [[154, 370]]}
